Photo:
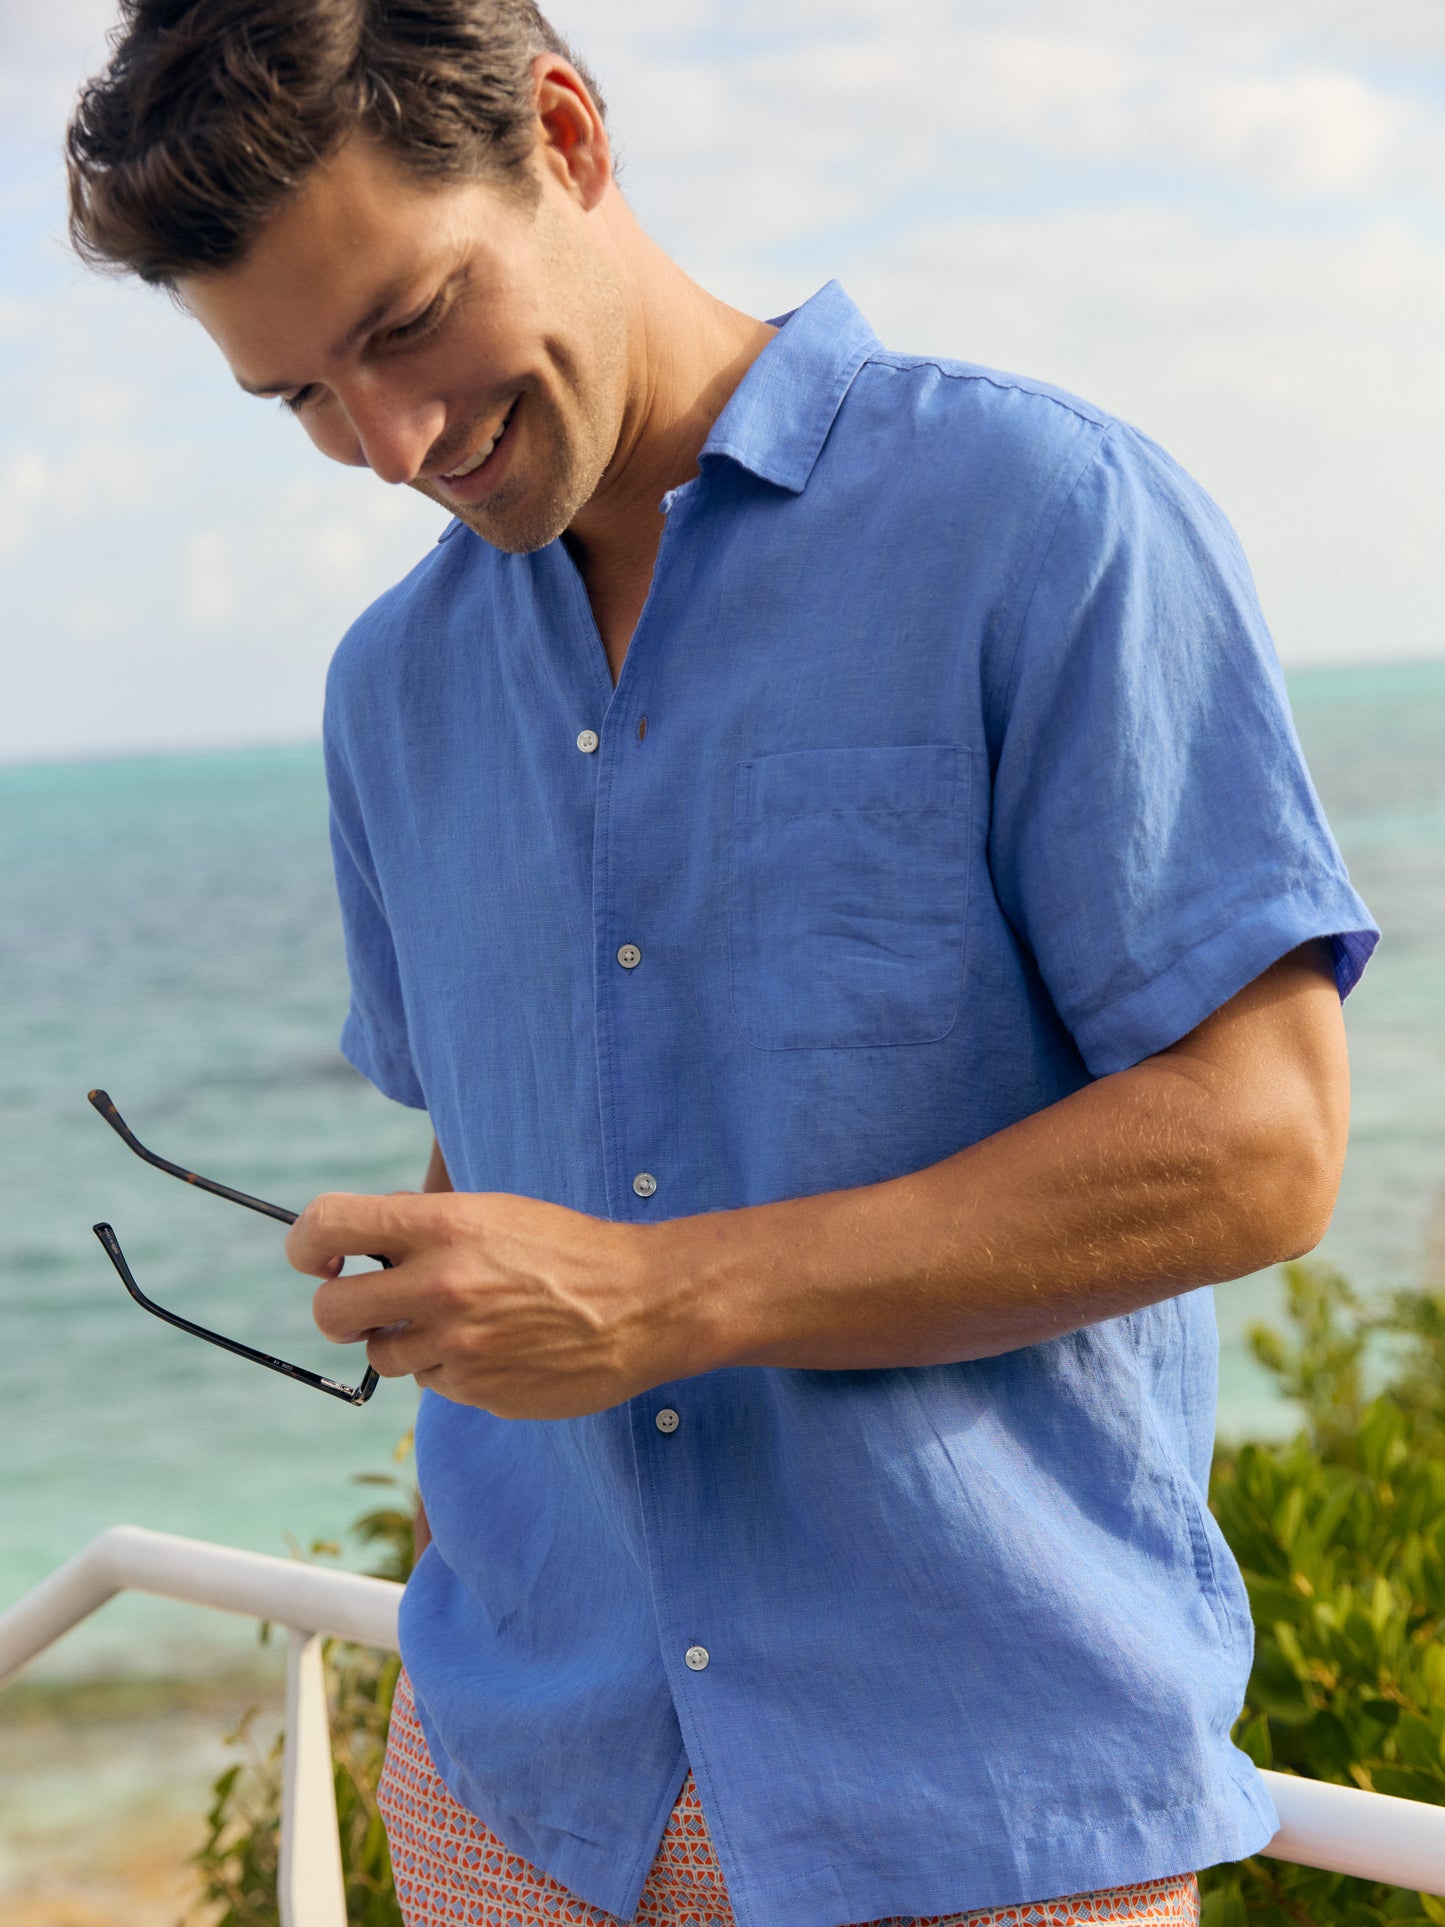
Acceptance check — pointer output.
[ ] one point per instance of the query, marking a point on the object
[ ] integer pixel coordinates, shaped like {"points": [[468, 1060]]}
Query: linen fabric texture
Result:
{"points": [[950, 768], [449, 1867]]}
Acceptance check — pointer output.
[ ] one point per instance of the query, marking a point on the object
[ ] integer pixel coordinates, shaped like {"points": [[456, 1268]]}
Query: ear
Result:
{"points": [[572, 143]]}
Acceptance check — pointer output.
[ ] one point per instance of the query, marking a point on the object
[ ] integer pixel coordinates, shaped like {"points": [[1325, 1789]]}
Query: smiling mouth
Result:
{"points": [[483, 455]]}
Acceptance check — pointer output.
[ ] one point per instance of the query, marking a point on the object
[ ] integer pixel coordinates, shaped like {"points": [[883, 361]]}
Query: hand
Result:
{"points": [[528, 1310]]}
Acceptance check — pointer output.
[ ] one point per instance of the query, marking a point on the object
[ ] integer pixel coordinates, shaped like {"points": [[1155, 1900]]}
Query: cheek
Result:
{"points": [[328, 430]]}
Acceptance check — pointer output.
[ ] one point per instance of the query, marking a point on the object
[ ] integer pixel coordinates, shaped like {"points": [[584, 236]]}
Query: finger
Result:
{"points": [[343, 1224], [346, 1309], [403, 1353]]}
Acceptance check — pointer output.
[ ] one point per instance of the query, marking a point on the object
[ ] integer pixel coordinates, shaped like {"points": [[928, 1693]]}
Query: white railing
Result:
{"points": [[308, 1601], [1338, 1828]]}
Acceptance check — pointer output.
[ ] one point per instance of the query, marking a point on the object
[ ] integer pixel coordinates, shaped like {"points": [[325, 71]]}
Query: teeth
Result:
{"points": [[470, 467]]}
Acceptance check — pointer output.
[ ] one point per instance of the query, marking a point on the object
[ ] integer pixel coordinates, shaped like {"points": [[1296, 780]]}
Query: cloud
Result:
{"points": [[25, 485], [46, 51], [1224, 219], [870, 113], [1301, 378], [209, 597], [1311, 131], [178, 562]]}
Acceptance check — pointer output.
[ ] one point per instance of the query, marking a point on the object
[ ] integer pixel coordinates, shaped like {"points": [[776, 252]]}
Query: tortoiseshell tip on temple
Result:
{"points": [[111, 1245]]}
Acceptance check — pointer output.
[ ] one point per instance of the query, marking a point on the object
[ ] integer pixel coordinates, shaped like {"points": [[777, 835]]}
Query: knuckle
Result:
{"points": [[381, 1355], [438, 1221], [320, 1214], [449, 1292], [324, 1311]]}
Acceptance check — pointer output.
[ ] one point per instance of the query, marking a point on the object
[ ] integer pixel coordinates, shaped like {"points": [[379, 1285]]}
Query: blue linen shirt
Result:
{"points": [[949, 768]]}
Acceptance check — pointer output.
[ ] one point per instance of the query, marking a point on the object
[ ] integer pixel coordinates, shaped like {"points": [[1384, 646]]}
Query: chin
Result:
{"points": [[523, 531], [519, 520]]}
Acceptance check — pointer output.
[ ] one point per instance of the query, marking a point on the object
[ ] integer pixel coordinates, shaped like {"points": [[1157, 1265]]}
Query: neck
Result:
{"points": [[687, 354]]}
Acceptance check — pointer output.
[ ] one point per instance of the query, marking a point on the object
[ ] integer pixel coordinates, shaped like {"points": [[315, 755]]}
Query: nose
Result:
{"points": [[396, 432]]}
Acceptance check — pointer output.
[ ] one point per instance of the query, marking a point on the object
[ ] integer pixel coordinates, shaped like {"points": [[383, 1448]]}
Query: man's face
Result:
{"points": [[453, 338]]}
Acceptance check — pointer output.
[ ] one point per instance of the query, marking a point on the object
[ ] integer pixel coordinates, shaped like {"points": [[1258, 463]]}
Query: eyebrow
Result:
{"points": [[373, 317]]}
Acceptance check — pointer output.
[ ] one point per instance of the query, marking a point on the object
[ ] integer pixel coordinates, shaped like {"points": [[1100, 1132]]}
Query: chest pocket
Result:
{"points": [[849, 896]]}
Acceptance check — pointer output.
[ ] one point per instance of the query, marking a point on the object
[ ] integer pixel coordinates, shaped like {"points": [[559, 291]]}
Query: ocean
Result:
{"points": [[167, 932]]}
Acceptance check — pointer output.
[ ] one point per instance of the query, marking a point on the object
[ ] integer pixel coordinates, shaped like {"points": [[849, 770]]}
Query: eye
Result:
{"points": [[422, 324], [295, 403]]}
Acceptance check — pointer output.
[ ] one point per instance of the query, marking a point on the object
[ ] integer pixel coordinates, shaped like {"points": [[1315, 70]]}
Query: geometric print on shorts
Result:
{"points": [[452, 1871]]}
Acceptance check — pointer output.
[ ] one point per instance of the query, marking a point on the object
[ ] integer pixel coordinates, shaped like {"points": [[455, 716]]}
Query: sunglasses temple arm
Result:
{"points": [[353, 1395], [103, 1103]]}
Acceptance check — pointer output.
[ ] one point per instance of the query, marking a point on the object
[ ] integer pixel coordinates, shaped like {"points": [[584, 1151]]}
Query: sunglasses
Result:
{"points": [[353, 1394]]}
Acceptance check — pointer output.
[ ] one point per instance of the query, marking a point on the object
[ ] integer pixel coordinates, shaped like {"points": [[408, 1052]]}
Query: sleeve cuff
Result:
{"points": [[392, 1073], [1158, 1014]]}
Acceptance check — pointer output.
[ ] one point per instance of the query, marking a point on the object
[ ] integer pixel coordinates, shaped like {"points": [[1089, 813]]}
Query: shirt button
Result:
{"points": [[644, 1184], [696, 1658], [629, 956], [667, 1420], [588, 741]]}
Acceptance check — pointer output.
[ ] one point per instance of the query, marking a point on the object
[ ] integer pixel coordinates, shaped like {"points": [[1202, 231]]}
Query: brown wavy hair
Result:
{"points": [[211, 112]]}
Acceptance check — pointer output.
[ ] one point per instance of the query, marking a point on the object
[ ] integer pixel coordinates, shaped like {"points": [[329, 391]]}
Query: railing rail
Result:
{"points": [[310, 1603], [1341, 1829]]}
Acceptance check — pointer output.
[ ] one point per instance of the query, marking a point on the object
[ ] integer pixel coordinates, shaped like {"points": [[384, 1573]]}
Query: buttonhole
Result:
{"points": [[642, 729]]}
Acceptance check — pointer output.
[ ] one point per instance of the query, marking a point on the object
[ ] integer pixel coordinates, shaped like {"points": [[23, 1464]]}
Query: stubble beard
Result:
{"points": [[530, 510], [564, 469]]}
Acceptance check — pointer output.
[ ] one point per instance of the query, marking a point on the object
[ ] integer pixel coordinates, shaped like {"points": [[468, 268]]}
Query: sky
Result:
{"points": [[1224, 220]]}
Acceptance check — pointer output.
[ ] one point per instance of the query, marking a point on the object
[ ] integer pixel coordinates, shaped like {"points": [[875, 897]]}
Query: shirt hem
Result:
{"points": [[1160, 1845], [397, 1081]]}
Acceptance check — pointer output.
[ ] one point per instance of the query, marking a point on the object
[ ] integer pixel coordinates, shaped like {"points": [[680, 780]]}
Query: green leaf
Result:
{"points": [[1252, 1737], [1223, 1907], [1418, 1742], [1409, 1783]]}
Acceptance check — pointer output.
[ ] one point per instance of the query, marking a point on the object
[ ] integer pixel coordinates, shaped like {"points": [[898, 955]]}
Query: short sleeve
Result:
{"points": [[1156, 840], [374, 1037]]}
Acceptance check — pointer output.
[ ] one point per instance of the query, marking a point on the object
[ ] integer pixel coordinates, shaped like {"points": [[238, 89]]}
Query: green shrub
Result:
{"points": [[1341, 1537]]}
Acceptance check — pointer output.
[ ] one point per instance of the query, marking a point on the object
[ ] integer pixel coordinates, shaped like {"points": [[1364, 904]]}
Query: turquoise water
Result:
{"points": [[167, 931]]}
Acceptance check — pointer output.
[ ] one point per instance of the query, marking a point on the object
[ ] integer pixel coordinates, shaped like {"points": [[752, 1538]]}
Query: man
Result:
{"points": [[823, 839]]}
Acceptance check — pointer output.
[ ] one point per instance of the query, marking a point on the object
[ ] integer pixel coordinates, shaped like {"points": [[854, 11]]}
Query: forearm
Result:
{"points": [[1105, 1202], [1175, 1174]]}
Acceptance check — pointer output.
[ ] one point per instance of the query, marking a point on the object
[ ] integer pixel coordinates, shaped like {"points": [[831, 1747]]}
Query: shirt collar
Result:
{"points": [[779, 415]]}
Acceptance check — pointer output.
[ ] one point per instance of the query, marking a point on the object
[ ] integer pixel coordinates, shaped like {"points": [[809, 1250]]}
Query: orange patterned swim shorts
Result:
{"points": [[451, 1871]]}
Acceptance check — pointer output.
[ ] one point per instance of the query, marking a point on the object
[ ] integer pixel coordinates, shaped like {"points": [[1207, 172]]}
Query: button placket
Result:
{"points": [[625, 829], [613, 798]]}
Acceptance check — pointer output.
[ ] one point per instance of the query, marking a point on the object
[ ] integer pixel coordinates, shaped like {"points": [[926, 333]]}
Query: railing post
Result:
{"points": [[313, 1889]]}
